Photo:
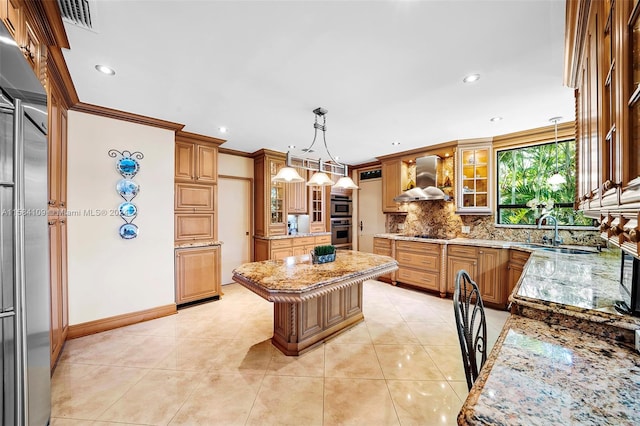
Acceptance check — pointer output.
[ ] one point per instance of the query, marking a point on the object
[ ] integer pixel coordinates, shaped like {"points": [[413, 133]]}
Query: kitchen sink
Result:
{"points": [[568, 250]]}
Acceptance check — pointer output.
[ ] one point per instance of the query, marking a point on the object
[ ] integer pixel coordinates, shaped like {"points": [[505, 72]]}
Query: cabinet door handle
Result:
{"points": [[62, 221], [51, 223], [51, 202], [480, 252]]}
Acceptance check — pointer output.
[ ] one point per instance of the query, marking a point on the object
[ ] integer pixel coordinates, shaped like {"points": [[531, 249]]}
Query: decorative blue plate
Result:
{"points": [[128, 231], [127, 209], [127, 167], [127, 188]]}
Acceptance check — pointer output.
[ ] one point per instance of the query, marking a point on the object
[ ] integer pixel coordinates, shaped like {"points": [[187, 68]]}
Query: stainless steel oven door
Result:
{"points": [[341, 232]]}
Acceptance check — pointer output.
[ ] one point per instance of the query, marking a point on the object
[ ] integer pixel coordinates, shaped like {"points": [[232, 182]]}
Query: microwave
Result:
{"points": [[629, 285], [340, 206]]}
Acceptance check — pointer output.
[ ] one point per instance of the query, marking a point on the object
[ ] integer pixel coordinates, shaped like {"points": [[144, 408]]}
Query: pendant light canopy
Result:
{"points": [[556, 179], [317, 165]]}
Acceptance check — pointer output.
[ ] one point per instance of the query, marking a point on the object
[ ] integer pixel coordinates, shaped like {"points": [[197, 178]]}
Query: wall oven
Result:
{"points": [[341, 233], [340, 206]]}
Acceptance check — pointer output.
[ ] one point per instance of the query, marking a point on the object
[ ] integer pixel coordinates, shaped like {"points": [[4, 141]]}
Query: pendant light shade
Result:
{"points": [[287, 175], [320, 179], [556, 179], [345, 182]]}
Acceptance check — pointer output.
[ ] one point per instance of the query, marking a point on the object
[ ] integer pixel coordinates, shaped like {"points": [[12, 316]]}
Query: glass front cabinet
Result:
{"points": [[474, 168]]}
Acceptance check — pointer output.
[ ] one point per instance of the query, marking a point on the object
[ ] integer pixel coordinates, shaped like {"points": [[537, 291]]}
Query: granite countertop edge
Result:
{"points": [[300, 235], [197, 244]]}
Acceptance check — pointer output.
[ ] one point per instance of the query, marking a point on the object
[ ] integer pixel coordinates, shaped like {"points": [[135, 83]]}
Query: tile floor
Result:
{"points": [[213, 364]]}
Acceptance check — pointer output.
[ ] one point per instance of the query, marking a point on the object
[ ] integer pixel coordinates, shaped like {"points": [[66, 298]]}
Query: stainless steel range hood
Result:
{"points": [[426, 189]]}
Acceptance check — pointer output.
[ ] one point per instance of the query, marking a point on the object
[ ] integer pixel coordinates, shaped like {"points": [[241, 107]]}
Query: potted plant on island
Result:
{"points": [[323, 254]]}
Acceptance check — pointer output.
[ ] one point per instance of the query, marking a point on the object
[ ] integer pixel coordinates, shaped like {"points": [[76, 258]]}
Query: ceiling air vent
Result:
{"points": [[76, 12]]}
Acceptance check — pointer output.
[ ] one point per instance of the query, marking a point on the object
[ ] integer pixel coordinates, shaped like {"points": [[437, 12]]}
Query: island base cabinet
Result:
{"points": [[198, 274], [300, 326]]}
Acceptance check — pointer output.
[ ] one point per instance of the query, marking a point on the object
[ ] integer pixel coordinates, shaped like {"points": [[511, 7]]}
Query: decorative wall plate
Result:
{"points": [[127, 189], [128, 231], [127, 167], [127, 209]]}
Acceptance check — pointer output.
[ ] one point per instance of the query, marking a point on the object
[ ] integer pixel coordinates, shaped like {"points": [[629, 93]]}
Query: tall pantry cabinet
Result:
{"points": [[197, 261]]}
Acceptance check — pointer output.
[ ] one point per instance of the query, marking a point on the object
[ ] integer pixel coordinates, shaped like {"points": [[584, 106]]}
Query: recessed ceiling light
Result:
{"points": [[494, 119], [105, 69], [222, 129], [395, 143], [471, 78], [291, 146]]}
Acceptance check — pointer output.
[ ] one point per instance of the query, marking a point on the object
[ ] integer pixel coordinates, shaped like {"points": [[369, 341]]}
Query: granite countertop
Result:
{"points": [[583, 287], [196, 244], [299, 235], [542, 374], [297, 274]]}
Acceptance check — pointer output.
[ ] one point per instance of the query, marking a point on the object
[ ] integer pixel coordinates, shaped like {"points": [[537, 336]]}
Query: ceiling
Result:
{"points": [[387, 71]]}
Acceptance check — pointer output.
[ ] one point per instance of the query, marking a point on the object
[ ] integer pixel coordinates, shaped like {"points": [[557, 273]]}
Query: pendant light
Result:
{"points": [[317, 165], [556, 179]]}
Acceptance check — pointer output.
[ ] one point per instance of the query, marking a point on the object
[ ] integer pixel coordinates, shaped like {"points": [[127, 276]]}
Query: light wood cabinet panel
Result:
{"points": [[197, 274], [486, 266], [455, 264], [194, 197], [323, 240], [184, 161], [280, 253], [490, 270], [54, 150], [317, 208], [56, 296], [190, 227], [297, 195], [517, 260], [207, 164], [391, 185], [62, 175], [418, 264], [384, 246], [280, 248]]}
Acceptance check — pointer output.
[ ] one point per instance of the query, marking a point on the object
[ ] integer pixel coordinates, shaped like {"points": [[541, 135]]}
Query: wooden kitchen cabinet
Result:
{"points": [[391, 184], [517, 260], [194, 197], [198, 274], [602, 64], [279, 248], [196, 158], [486, 266], [384, 246], [275, 200], [474, 177], [418, 264], [297, 195]]}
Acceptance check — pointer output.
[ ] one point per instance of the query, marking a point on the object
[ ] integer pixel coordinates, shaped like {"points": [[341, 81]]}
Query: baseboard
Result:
{"points": [[104, 324]]}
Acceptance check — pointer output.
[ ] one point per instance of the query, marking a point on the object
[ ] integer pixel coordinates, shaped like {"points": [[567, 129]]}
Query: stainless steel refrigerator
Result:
{"points": [[24, 249]]}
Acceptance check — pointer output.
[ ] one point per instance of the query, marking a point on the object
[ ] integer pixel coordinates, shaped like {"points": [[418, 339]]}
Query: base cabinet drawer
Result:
{"points": [[422, 261], [428, 280]]}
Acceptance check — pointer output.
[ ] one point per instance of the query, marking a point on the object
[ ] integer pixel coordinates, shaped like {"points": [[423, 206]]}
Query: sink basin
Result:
{"points": [[567, 250]]}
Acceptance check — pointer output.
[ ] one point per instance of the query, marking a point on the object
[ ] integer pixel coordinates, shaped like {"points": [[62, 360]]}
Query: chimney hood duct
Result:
{"points": [[426, 189]]}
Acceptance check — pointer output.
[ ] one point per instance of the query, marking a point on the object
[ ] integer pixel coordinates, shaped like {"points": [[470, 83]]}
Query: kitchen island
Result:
{"points": [[565, 356], [312, 302]]}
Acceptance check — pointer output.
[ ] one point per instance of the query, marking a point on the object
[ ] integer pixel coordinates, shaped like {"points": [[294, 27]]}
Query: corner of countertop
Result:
{"points": [[196, 244]]}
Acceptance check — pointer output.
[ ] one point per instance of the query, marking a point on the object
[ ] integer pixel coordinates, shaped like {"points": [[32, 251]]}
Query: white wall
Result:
{"points": [[234, 165], [110, 276]]}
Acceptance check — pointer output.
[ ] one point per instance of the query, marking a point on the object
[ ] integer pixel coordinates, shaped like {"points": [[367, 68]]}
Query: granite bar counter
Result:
{"points": [[565, 356], [312, 302]]}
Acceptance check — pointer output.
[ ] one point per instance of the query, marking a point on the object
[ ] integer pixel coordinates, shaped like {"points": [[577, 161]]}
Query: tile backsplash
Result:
{"points": [[438, 218]]}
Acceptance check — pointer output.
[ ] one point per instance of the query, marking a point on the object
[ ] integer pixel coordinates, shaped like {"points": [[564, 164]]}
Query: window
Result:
{"points": [[523, 192]]}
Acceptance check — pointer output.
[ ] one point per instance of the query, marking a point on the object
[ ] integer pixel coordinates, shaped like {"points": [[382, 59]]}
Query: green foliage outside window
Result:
{"points": [[523, 191]]}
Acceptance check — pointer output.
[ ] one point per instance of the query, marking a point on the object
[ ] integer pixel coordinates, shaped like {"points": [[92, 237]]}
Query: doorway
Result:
{"points": [[234, 223], [371, 220]]}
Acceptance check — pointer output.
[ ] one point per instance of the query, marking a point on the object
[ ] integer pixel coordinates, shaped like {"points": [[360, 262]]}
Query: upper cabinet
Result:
{"points": [[602, 63], [474, 179], [275, 200], [391, 184], [196, 160]]}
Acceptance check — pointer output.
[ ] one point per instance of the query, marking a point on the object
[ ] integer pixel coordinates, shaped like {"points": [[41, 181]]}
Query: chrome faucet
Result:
{"points": [[556, 238]]}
